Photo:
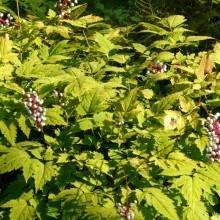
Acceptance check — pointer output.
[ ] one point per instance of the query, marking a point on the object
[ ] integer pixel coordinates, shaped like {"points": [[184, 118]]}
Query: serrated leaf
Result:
{"points": [[27, 170], [178, 161], [99, 165], [164, 104], [54, 117], [198, 213], [165, 56], [165, 147], [153, 29], [186, 103], [147, 93], [161, 202], [213, 102], [128, 103], [120, 58], [51, 14], [106, 46], [79, 85], [62, 30], [202, 143], [77, 11], [9, 130], [173, 21], [205, 66], [114, 69], [139, 47], [192, 190], [197, 38], [14, 87], [88, 19], [5, 50], [211, 174], [20, 210], [23, 124], [187, 69], [93, 101], [42, 173], [13, 160]]}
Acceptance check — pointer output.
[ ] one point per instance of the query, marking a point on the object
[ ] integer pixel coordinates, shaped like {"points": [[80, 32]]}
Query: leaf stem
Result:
{"points": [[19, 21]]}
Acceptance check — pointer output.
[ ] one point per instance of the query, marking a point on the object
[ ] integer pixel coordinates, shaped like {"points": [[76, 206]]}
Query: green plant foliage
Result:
{"points": [[122, 128]]}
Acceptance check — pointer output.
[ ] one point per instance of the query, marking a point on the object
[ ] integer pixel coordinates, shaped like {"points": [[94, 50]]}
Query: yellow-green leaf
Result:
{"points": [[9, 130], [13, 160], [106, 46], [192, 190], [161, 202]]}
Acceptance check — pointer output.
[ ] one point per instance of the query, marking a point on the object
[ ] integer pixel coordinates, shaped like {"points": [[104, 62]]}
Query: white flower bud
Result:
{"points": [[43, 118], [118, 204], [132, 215], [213, 153], [131, 204], [211, 127], [210, 149], [124, 207]]}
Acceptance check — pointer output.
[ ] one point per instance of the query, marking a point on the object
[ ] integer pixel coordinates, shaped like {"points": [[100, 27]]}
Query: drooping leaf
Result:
{"points": [[20, 210], [106, 46], [192, 190], [93, 101], [197, 38], [161, 202], [23, 124], [164, 104], [9, 130], [42, 173], [54, 116], [198, 213], [173, 21], [13, 160]]}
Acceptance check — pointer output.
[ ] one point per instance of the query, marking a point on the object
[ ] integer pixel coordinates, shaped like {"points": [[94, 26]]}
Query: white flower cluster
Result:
{"points": [[126, 212], [5, 20], [64, 7], [33, 104], [212, 127], [157, 67]]}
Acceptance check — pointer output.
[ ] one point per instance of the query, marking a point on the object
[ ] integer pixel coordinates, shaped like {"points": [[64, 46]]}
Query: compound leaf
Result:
{"points": [[20, 210], [9, 131], [13, 160], [42, 173], [161, 202]]}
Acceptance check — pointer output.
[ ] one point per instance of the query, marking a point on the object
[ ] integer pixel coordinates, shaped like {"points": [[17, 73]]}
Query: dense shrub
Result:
{"points": [[99, 120]]}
